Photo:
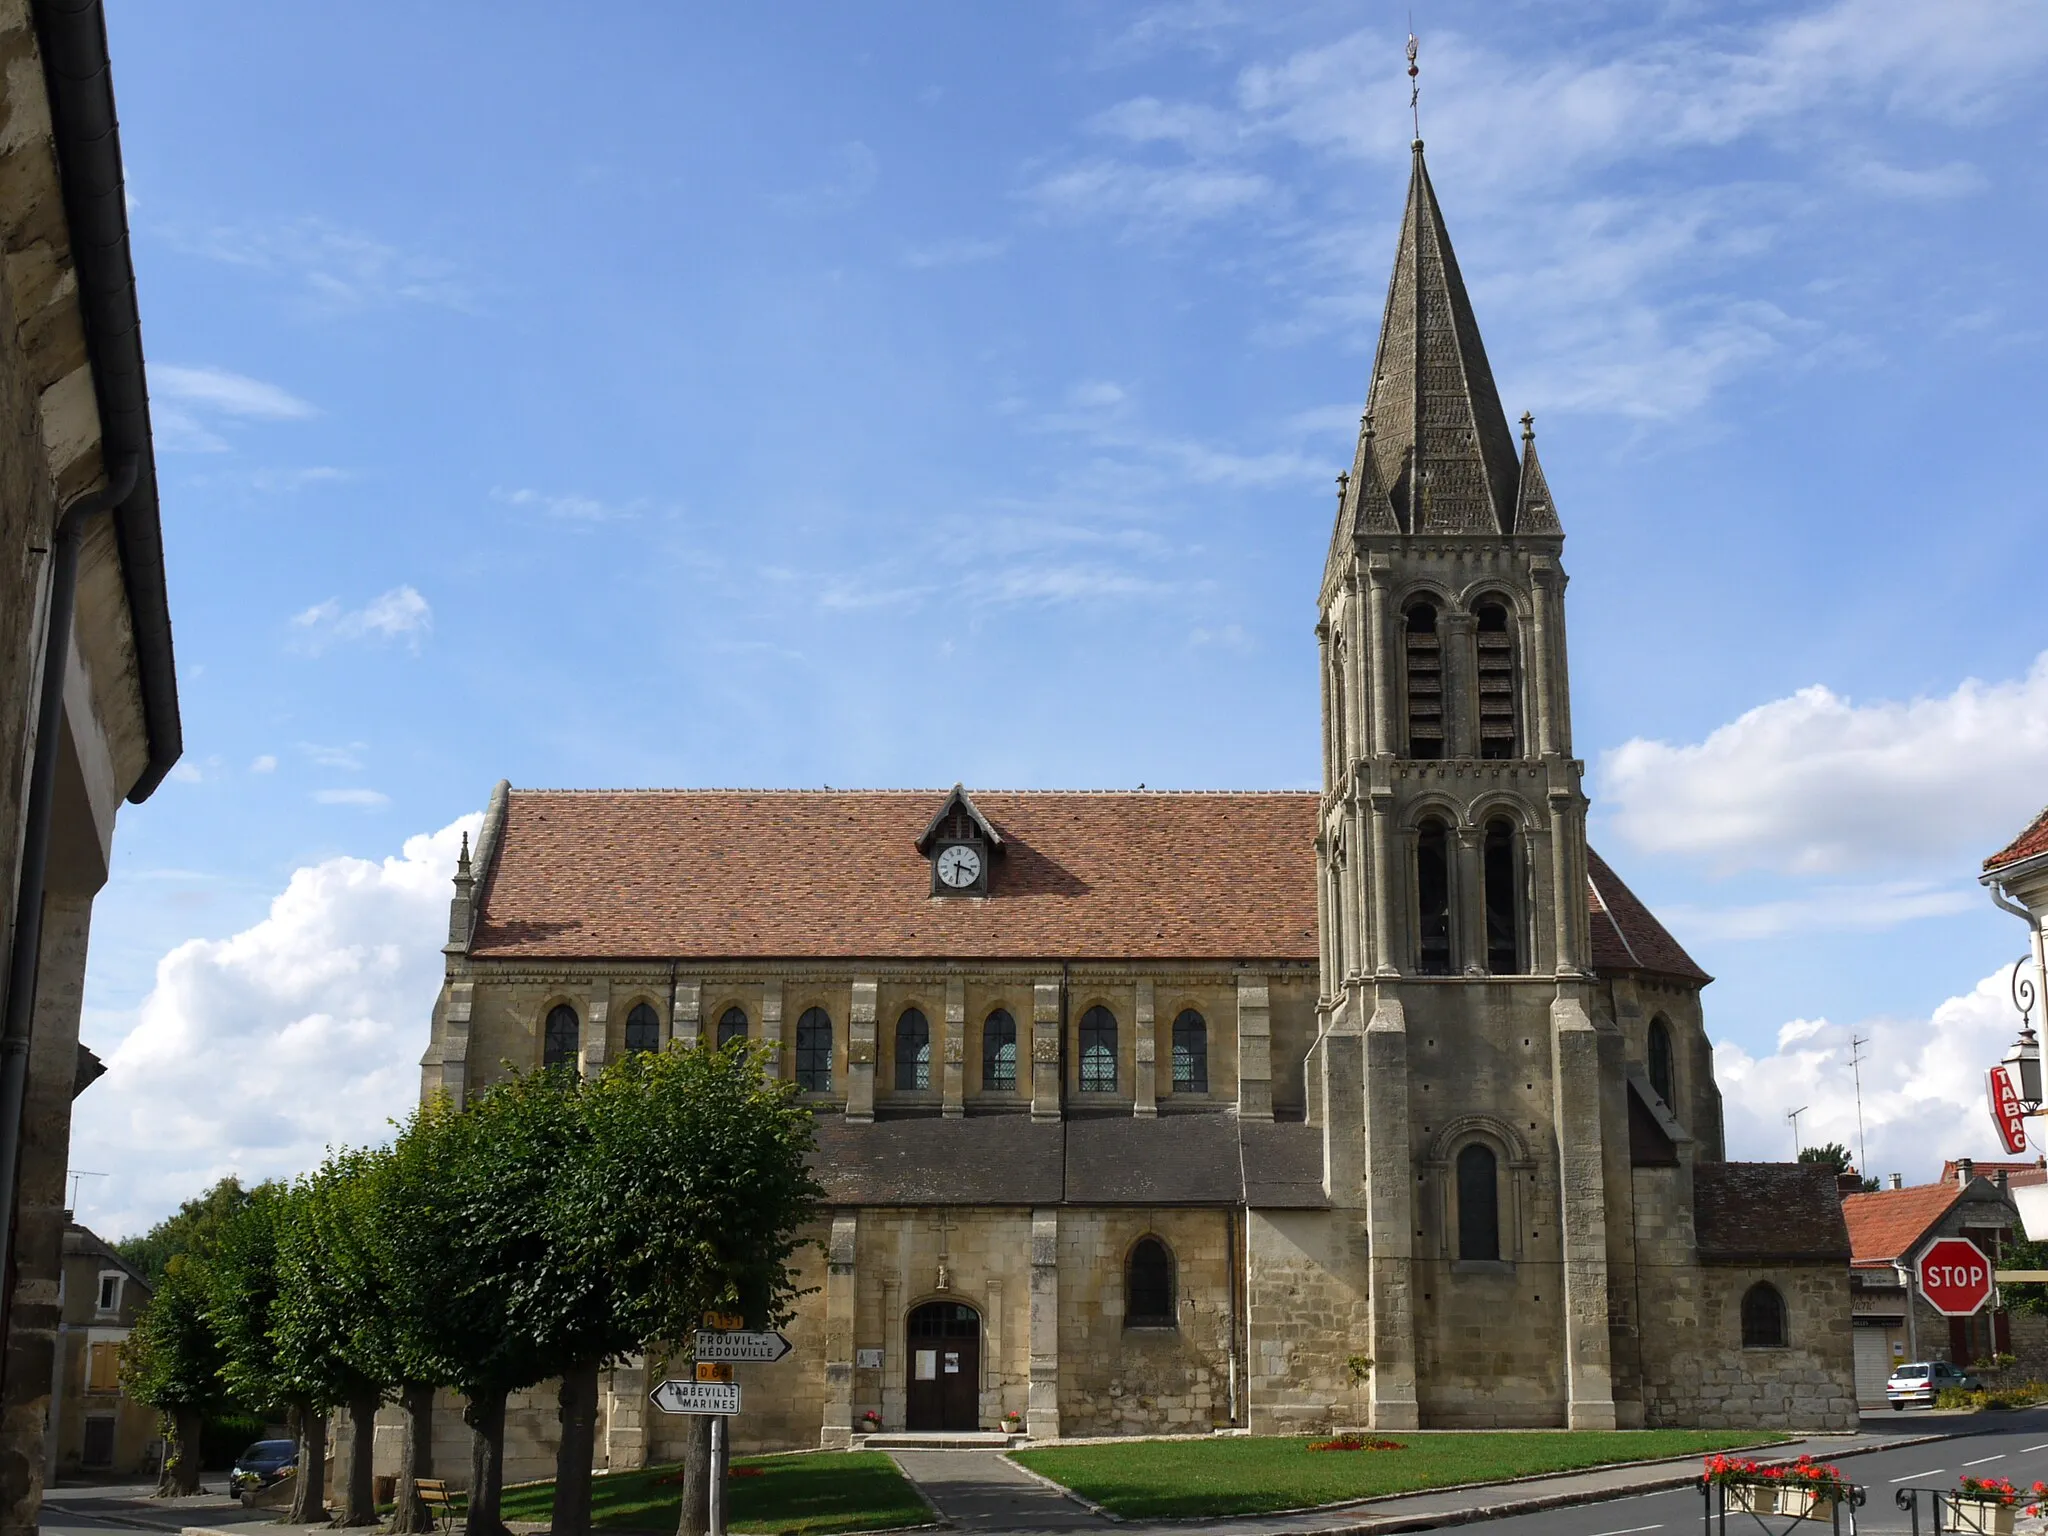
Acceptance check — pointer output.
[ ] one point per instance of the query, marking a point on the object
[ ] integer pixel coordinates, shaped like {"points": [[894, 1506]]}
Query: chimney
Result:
{"points": [[2002, 1181], [1966, 1170], [1898, 1181], [1850, 1183]]}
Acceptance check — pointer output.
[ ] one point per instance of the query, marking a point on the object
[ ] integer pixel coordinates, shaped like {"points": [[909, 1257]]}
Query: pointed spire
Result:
{"points": [[1441, 428], [462, 859], [1534, 511]]}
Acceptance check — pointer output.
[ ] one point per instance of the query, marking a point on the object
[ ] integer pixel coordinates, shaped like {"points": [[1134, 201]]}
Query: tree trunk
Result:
{"points": [[309, 1485], [696, 1515], [359, 1499], [578, 1398], [415, 1460], [182, 1456], [486, 1418]]}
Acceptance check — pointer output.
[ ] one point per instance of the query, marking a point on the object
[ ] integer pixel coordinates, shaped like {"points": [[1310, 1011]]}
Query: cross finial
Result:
{"points": [[462, 860], [1343, 484], [1528, 427], [1414, 82]]}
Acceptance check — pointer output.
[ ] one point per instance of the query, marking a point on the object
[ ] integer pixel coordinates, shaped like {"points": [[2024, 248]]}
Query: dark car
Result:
{"points": [[263, 1464]]}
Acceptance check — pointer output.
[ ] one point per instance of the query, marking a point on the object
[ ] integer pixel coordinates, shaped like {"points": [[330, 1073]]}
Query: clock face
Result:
{"points": [[959, 867]]}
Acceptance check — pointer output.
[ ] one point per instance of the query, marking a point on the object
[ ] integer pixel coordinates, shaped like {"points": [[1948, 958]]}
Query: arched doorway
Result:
{"points": [[944, 1389]]}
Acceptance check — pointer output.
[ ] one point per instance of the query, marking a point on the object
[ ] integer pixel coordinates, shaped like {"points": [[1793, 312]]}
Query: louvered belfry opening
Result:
{"points": [[1425, 652], [1433, 898], [1498, 737]]}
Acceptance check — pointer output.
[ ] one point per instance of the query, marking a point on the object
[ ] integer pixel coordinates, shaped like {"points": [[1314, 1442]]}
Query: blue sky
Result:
{"points": [[908, 393]]}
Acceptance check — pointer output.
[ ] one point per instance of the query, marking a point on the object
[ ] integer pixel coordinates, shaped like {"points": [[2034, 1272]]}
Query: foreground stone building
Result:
{"points": [[88, 691], [1388, 1104]]}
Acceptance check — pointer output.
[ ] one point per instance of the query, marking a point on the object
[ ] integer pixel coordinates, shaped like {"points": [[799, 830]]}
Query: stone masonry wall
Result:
{"points": [[1703, 1378], [1309, 1314]]}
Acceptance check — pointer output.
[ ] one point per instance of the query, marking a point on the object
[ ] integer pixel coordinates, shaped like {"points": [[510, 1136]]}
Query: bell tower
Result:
{"points": [[1452, 858]]}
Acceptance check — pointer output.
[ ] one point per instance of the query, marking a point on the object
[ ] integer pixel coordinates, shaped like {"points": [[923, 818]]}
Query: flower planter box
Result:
{"points": [[1807, 1503], [1751, 1498], [1983, 1515]]}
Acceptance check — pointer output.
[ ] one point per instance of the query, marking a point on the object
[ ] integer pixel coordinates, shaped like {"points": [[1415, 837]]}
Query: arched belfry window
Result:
{"points": [[999, 1052], [814, 1051], [1478, 1202], [1190, 1053], [1660, 1062], [562, 1037], [1148, 1286], [1498, 736], [1425, 654], [913, 1051], [732, 1025], [1503, 900], [1433, 898], [1098, 1051], [1763, 1317], [643, 1028]]}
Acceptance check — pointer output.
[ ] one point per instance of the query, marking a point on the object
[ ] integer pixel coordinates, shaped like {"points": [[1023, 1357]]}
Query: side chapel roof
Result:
{"points": [[1768, 1212]]}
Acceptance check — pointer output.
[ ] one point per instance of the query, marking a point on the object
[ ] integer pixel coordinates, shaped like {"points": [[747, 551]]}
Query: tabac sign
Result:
{"points": [[2007, 1112]]}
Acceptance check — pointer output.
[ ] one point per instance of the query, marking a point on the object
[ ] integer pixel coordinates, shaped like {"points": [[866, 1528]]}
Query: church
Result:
{"points": [[1388, 1105]]}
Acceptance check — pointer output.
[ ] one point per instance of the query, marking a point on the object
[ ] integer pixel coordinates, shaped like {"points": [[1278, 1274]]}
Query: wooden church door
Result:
{"points": [[945, 1368]]}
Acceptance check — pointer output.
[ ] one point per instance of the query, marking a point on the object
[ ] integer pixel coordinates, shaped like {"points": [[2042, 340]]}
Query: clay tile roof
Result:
{"points": [[1764, 1212], [2030, 842], [2014, 1172], [1888, 1222], [808, 874]]}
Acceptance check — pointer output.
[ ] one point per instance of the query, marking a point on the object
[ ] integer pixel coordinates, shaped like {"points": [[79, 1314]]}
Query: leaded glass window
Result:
{"points": [[732, 1025], [814, 1051], [1098, 1051], [562, 1037], [643, 1028], [999, 1052], [1190, 1053], [913, 1051]]}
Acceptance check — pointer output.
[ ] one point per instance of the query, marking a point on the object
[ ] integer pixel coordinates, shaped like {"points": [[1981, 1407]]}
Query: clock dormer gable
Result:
{"points": [[961, 844]]}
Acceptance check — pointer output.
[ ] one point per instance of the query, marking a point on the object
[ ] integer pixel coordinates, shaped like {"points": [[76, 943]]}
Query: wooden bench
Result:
{"points": [[434, 1494]]}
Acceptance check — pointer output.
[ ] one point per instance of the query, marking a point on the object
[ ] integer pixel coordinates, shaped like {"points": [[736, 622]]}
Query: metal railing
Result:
{"points": [[1954, 1513], [1715, 1510]]}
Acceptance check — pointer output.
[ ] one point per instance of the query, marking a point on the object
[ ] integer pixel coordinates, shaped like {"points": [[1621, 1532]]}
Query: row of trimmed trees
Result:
{"points": [[550, 1229]]}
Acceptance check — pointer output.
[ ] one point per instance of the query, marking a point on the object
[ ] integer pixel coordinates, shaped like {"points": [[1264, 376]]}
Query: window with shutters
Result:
{"points": [[1763, 1317], [913, 1051], [1503, 899], [103, 1368], [1098, 1051], [1498, 735], [1190, 1053], [814, 1051], [1425, 655], [732, 1025], [561, 1038], [999, 1052], [1433, 898], [643, 1028]]}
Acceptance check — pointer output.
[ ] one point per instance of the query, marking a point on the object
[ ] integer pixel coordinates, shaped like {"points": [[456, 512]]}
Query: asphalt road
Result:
{"points": [[79, 1511], [2008, 1445]]}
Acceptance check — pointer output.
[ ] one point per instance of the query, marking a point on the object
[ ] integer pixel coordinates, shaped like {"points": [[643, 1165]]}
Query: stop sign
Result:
{"points": [[1955, 1277]]}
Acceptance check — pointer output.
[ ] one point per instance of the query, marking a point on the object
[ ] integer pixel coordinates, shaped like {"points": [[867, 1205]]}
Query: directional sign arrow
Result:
{"points": [[766, 1347], [696, 1397]]}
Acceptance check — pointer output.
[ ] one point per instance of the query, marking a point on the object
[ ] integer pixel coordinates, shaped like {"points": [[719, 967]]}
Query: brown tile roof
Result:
{"points": [[2014, 1172], [1888, 1222], [809, 874], [1768, 1212], [2030, 842]]}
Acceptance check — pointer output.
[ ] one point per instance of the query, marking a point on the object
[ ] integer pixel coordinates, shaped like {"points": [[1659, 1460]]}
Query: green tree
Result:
{"points": [[2023, 1295], [193, 1228], [172, 1361], [1834, 1155]]}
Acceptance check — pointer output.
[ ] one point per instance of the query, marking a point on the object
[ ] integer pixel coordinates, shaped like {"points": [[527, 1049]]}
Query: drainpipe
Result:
{"points": [[24, 962]]}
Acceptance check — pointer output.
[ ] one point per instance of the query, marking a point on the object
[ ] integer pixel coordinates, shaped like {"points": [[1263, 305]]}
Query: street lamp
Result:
{"points": [[2025, 1056]]}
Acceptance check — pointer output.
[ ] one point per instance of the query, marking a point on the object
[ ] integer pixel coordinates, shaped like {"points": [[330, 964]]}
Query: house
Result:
{"points": [[94, 1427]]}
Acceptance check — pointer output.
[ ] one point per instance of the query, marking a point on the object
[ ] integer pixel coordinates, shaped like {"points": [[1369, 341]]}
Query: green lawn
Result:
{"points": [[799, 1495], [1241, 1476]]}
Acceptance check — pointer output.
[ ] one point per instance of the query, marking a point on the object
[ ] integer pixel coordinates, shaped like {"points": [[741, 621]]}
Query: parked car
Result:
{"points": [[1923, 1380], [263, 1464]]}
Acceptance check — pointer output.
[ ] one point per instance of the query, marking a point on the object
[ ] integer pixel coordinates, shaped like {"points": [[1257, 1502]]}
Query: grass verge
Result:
{"points": [[792, 1496], [1156, 1479]]}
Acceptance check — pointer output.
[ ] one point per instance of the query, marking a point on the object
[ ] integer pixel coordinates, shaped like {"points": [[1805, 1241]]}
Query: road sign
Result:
{"points": [[741, 1346], [714, 1370], [724, 1320], [2006, 1111], [1955, 1277], [696, 1397]]}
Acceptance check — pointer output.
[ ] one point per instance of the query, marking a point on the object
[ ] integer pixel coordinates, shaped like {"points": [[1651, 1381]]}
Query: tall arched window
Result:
{"points": [[1148, 1286], [1763, 1317], [1425, 654], [913, 1051], [999, 1052], [1478, 1202], [1433, 898], [1190, 1053], [1660, 1061], [814, 1051], [1342, 743], [732, 1025], [562, 1037], [1498, 736], [643, 1028], [1503, 904], [1098, 1051]]}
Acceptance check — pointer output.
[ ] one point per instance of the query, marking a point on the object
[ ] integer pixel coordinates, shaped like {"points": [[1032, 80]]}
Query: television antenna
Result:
{"points": [[1856, 1044], [77, 1174], [1794, 1118]]}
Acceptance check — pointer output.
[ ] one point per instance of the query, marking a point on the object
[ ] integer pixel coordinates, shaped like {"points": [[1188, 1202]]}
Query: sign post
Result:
{"points": [[714, 1393], [1955, 1277], [717, 1512]]}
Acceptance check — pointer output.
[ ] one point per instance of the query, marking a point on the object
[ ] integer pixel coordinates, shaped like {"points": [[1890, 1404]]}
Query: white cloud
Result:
{"points": [[1816, 784], [571, 506], [192, 406], [1146, 198], [956, 252], [253, 1054], [400, 614], [370, 798], [1825, 909], [267, 763], [340, 268], [1923, 1085]]}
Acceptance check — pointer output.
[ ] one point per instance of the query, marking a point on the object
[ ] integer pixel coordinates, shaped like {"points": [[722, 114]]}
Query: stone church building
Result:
{"points": [[1387, 1105]]}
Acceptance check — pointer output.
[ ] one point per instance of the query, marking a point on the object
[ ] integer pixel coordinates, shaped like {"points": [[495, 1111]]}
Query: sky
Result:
{"points": [[909, 393]]}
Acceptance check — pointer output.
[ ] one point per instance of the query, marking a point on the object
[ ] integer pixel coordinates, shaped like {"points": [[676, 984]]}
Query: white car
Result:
{"points": [[1918, 1383]]}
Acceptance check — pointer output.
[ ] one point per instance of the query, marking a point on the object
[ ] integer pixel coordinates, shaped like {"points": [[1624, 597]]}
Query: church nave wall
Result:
{"points": [[1309, 1316]]}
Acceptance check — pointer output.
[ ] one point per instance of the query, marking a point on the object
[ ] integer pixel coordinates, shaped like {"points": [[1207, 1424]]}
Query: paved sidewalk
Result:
{"points": [[986, 1491]]}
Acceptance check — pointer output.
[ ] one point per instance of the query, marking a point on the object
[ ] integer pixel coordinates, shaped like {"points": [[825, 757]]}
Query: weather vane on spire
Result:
{"points": [[1414, 81]]}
